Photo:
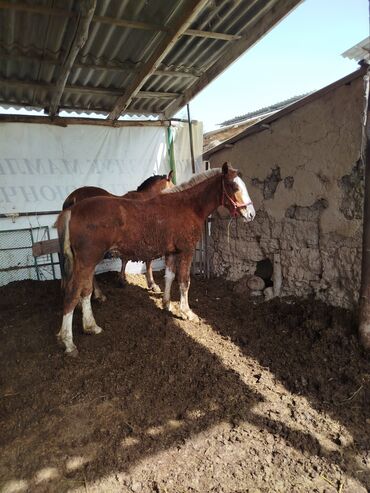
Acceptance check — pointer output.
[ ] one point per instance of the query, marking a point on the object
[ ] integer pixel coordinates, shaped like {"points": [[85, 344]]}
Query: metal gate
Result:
{"points": [[16, 259], [200, 265]]}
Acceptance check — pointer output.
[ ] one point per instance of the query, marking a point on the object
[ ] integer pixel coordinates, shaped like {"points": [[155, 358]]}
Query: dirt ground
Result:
{"points": [[258, 397]]}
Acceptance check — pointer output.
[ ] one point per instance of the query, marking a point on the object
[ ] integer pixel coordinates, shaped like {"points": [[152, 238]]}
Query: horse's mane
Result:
{"points": [[149, 181], [194, 180]]}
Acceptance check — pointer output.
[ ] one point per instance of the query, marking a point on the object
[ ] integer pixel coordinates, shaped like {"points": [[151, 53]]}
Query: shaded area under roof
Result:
{"points": [[123, 57]]}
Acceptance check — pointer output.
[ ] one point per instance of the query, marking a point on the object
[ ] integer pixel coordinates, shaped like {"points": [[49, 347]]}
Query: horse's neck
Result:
{"points": [[205, 197]]}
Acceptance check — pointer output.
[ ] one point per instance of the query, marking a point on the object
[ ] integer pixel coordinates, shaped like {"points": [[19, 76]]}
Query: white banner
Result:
{"points": [[41, 164]]}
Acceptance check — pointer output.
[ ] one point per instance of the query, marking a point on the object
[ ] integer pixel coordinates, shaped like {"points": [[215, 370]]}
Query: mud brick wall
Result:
{"points": [[305, 178]]}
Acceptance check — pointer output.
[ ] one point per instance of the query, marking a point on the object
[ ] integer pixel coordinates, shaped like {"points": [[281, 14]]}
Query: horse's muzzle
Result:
{"points": [[248, 213]]}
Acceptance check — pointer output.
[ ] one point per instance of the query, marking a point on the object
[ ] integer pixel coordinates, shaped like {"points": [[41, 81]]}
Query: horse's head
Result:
{"points": [[235, 195], [156, 184]]}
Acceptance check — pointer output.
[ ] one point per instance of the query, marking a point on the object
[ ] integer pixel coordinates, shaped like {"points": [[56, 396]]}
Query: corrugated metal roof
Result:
{"points": [[263, 111], [361, 51], [140, 56]]}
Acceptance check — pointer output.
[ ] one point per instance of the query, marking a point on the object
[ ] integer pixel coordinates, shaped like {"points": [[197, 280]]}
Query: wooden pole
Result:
{"points": [[87, 8], [364, 311], [191, 140], [176, 30]]}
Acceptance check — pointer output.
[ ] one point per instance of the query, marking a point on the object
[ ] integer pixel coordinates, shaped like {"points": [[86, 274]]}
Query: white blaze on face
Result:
{"points": [[248, 212]]}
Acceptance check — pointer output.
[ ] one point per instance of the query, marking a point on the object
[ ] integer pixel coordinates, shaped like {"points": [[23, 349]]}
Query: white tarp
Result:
{"points": [[182, 150], [41, 164]]}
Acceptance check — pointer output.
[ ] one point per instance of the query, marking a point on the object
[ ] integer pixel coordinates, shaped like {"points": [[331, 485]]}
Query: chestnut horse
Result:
{"points": [[168, 224], [149, 188]]}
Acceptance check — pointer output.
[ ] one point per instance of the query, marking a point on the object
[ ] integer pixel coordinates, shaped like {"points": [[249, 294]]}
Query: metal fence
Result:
{"points": [[16, 259], [200, 265]]}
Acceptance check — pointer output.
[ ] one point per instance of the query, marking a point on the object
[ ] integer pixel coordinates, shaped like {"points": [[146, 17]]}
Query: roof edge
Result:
{"points": [[261, 124], [64, 121]]}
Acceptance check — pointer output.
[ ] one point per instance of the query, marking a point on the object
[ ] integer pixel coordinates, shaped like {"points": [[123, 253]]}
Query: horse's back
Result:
{"points": [[83, 193]]}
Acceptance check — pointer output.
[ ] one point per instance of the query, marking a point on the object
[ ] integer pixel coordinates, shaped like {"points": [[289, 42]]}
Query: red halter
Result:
{"points": [[236, 205]]}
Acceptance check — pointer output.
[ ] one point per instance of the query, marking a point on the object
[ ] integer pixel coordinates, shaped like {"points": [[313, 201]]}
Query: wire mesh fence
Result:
{"points": [[17, 261]]}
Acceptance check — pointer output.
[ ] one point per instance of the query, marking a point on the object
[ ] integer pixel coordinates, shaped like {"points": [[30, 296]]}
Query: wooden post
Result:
{"points": [[191, 140], [87, 8], [364, 312]]}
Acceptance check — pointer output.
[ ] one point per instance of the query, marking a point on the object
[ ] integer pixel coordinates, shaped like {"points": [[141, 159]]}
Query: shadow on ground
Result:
{"points": [[147, 385], [311, 349]]}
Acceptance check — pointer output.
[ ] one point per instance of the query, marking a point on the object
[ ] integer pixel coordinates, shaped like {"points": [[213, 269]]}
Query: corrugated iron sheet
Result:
{"points": [[361, 51], [33, 47]]}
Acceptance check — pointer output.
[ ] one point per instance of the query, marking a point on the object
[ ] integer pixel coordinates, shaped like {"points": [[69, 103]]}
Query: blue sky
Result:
{"points": [[301, 54]]}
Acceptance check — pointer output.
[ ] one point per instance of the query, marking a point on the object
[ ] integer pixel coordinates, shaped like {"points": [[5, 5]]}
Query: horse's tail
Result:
{"points": [[66, 253], [69, 201], [67, 204]]}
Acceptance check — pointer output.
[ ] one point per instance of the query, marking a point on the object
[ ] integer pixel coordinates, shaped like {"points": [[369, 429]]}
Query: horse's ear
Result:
{"points": [[225, 168], [169, 176]]}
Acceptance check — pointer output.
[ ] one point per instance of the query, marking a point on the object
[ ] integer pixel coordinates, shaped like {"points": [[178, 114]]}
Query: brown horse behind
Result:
{"points": [[168, 224], [149, 188]]}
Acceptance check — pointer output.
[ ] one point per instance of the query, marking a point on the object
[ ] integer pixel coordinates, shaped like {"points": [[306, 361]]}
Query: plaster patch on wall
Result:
{"points": [[269, 184], [289, 182], [352, 186], [310, 213]]}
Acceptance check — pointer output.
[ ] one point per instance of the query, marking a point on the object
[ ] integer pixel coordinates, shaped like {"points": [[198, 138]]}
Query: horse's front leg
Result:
{"points": [[122, 275], [169, 277], [184, 283], [150, 279]]}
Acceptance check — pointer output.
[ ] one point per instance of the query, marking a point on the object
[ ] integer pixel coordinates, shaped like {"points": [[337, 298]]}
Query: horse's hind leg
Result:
{"points": [[71, 298], [169, 277], [88, 320], [184, 283], [98, 293], [150, 279]]}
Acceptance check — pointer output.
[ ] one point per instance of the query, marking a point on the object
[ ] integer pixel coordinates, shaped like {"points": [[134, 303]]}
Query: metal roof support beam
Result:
{"points": [[87, 89], [211, 35], [65, 121], [125, 66], [178, 26], [41, 9], [87, 8], [37, 9], [270, 18]]}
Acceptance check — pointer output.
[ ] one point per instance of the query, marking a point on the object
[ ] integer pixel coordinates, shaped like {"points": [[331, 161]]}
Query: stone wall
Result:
{"points": [[305, 178]]}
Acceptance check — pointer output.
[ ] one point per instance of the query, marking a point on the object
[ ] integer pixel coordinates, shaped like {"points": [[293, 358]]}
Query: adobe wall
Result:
{"points": [[305, 178]]}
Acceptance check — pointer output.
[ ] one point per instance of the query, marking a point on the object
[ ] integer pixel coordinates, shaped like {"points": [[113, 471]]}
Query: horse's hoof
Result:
{"points": [[94, 329], [167, 306], [60, 342], [155, 288], [121, 283], [189, 315], [73, 353], [101, 298]]}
